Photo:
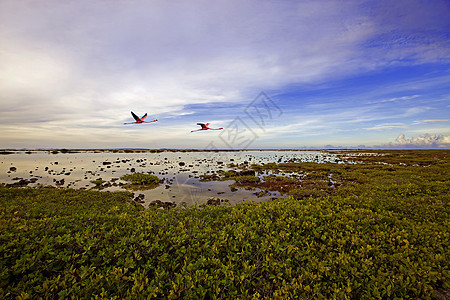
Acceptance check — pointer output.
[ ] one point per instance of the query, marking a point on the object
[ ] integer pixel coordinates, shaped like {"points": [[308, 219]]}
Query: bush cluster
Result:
{"points": [[141, 179], [384, 235]]}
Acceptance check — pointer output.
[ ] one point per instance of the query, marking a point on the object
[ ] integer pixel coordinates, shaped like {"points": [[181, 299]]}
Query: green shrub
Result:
{"points": [[141, 179], [285, 179], [98, 182], [300, 193], [228, 174], [247, 179], [383, 235]]}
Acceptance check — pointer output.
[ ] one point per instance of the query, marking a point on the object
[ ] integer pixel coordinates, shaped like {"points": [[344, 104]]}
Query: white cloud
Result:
{"points": [[398, 99], [385, 126], [421, 122], [421, 141], [81, 64]]}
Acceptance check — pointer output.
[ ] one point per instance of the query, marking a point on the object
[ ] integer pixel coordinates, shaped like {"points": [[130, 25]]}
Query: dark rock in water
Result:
{"points": [[260, 194], [181, 163], [233, 189], [12, 169], [56, 162], [140, 198], [22, 182], [159, 203], [247, 172], [132, 170], [167, 186], [68, 173], [213, 201], [106, 163], [60, 182]]}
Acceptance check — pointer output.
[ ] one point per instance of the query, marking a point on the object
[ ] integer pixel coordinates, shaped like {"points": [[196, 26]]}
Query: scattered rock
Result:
{"points": [[213, 201], [260, 194], [140, 198], [247, 172], [161, 204]]}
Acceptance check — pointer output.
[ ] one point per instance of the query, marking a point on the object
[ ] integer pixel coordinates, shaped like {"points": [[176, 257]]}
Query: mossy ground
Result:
{"points": [[140, 181], [381, 233]]}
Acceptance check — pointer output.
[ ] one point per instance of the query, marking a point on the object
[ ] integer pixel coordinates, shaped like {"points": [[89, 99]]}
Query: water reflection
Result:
{"points": [[180, 171]]}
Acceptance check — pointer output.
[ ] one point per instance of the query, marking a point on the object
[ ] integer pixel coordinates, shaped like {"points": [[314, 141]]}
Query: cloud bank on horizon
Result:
{"points": [[425, 140], [346, 73]]}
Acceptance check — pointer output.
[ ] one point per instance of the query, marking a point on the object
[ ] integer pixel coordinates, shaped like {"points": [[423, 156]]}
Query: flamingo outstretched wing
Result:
{"points": [[144, 116], [135, 117]]}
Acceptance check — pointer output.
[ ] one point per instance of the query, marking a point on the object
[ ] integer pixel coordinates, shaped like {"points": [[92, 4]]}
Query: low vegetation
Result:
{"points": [[141, 181], [98, 182], [378, 231]]}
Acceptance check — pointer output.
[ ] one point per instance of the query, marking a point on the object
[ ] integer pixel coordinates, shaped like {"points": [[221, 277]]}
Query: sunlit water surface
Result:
{"points": [[180, 171]]}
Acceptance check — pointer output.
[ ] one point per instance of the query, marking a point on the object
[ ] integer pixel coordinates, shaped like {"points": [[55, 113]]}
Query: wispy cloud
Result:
{"points": [[386, 126], [80, 64], [394, 99], [421, 122]]}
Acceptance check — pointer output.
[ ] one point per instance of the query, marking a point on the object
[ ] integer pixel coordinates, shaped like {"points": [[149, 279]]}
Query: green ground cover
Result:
{"points": [[380, 232], [141, 181]]}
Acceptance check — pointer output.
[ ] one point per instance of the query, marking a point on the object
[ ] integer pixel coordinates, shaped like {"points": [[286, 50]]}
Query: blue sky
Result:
{"points": [[342, 73]]}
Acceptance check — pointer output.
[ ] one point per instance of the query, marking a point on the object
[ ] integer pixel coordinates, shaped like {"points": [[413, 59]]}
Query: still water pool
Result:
{"points": [[180, 171]]}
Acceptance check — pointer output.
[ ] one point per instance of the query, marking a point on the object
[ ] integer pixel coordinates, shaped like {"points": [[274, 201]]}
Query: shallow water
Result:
{"points": [[179, 170]]}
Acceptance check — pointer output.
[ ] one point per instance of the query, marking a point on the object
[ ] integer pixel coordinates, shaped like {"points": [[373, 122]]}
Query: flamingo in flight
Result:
{"points": [[140, 120], [205, 127]]}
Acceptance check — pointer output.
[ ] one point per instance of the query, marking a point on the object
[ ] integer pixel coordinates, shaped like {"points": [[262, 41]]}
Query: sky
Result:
{"points": [[273, 74]]}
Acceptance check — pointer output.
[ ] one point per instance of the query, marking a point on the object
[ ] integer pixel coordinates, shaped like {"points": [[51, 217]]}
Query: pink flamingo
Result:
{"points": [[205, 127], [140, 120]]}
